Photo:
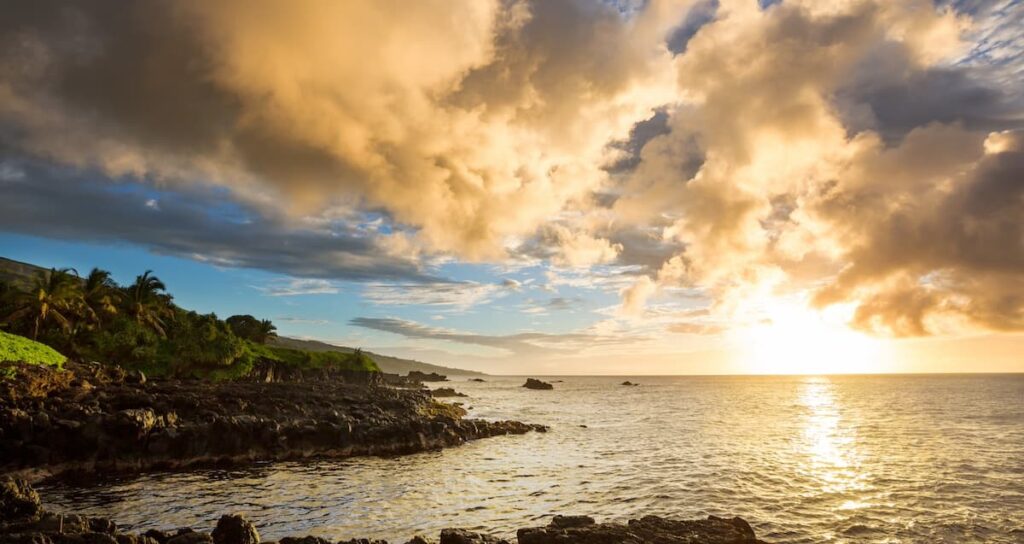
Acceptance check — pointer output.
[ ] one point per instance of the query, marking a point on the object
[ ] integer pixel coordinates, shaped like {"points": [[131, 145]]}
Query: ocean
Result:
{"points": [[805, 459]]}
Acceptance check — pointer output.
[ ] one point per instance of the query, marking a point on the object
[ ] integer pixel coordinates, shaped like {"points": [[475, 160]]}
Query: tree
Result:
{"points": [[100, 296], [148, 303], [252, 329], [52, 297]]}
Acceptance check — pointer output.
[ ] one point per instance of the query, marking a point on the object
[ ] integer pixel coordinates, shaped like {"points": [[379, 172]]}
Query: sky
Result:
{"points": [[549, 187]]}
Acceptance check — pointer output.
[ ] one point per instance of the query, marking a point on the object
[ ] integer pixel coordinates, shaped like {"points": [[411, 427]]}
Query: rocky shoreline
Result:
{"points": [[93, 417], [23, 521]]}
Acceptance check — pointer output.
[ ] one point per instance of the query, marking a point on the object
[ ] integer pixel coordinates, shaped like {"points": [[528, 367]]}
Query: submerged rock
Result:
{"points": [[629, 383], [532, 383]]}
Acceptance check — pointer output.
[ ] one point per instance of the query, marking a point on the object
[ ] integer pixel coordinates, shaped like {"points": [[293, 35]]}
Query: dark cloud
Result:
{"points": [[957, 252], [700, 14], [203, 225]]}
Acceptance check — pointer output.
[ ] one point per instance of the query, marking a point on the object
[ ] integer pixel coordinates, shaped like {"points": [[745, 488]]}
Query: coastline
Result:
{"points": [[99, 418], [24, 521]]}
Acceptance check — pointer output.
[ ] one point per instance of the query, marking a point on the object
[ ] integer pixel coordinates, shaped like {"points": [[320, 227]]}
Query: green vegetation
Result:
{"points": [[313, 360], [139, 326], [14, 348]]}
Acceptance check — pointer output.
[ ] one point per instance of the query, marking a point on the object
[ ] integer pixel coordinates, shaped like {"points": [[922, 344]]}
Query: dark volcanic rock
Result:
{"points": [[424, 377], [235, 529], [17, 499], [446, 392], [629, 383], [481, 380], [462, 536], [537, 384], [649, 529], [87, 418]]}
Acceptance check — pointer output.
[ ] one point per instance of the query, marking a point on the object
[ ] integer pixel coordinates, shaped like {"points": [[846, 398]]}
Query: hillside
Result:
{"points": [[393, 365], [19, 272], [16, 271]]}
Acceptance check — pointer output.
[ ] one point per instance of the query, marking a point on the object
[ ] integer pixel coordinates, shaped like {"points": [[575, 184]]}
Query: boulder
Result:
{"points": [[191, 537], [462, 536], [629, 383], [425, 377], [649, 529], [17, 500], [235, 529], [532, 383], [446, 392]]}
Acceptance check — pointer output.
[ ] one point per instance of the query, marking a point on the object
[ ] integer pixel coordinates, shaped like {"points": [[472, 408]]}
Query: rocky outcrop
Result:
{"points": [[648, 529], [629, 383], [89, 418], [425, 377], [272, 371], [532, 383], [35, 526], [441, 392]]}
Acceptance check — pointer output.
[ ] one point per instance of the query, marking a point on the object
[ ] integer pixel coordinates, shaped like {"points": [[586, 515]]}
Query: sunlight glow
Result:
{"points": [[795, 339]]}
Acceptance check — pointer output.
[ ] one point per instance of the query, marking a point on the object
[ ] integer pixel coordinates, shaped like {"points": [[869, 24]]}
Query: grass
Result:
{"points": [[14, 348]]}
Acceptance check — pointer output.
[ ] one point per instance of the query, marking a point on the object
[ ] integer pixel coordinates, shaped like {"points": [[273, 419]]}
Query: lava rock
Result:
{"points": [[17, 499], [629, 383], [532, 383], [462, 536], [235, 529], [647, 530], [446, 392]]}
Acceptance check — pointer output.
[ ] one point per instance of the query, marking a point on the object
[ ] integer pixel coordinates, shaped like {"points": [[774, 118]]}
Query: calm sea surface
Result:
{"points": [[931, 459]]}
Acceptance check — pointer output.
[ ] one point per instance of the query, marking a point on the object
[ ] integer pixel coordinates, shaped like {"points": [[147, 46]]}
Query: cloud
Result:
{"points": [[456, 295], [298, 287], [523, 344], [469, 121], [837, 144], [55, 202], [867, 150]]}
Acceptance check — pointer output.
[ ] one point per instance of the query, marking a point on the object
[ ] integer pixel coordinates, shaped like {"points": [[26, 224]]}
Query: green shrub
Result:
{"points": [[14, 348]]}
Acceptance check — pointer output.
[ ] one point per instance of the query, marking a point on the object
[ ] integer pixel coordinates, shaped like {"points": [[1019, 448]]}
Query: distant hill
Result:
{"points": [[392, 365], [20, 273]]}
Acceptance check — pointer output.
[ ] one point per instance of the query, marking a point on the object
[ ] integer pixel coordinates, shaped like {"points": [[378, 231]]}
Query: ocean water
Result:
{"points": [[936, 459]]}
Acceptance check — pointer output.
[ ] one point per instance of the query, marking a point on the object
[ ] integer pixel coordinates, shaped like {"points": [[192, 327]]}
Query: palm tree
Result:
{"points": [[147, 302], [99, 295], [265, 331], [53, 296]]}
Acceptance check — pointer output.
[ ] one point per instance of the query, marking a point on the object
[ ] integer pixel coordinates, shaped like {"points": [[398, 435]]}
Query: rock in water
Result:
{"points": [[629, 383], [17, 500], [446, 392], [235, 529], [462, 536], [649, 529], [537, 384]]}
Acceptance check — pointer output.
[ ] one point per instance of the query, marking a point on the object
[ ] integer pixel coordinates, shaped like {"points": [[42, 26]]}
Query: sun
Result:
{"points": [[792, 338]]}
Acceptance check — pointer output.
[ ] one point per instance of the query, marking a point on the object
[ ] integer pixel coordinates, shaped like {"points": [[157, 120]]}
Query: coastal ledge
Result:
{"points": [[23, 521], [92, 417]]}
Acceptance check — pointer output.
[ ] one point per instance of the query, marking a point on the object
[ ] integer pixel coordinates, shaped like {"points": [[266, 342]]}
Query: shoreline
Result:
{"points": [[24, 521], [56, 424]]}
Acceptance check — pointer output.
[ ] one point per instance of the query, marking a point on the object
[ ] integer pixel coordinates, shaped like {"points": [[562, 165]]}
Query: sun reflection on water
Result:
{"points": [[830, 446]]}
